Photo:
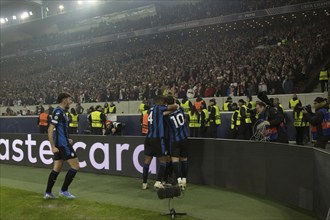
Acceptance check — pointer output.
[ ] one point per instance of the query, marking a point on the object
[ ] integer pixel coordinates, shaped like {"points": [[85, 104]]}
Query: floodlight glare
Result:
{"points": [[80, 2], [30, 13], [61, 7], [24, 15], [6, 19], [92, 1], [2, 20], [47, 9], [14, 17]]}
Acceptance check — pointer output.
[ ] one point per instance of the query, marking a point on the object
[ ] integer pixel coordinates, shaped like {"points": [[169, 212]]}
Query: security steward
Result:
{"points": [[215, 120], [245, 127], [205, 121], [294, 101], [235, 121], [324, 78], [299, 123], [142, 105], [73, 121], [43, 121], [186, 104], [250, 103], [112, 108], [227, 105], [194, 121], [97, 119], [320, 122], [144, 120], [198, 102]]}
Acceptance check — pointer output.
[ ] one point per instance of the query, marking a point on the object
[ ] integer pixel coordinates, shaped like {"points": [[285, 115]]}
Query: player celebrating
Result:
{"points": [[154, 145], [179, 144]]}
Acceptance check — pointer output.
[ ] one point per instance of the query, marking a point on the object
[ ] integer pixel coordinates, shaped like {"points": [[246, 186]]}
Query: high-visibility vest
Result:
{"points": [[96, 119], [207, 124], [43, 119], [281, 107], [185, 106], [198, 105], [141, 107], [298, 119], [217, 115], [112, 109], [145, 122], [193, 120], [247, 115], [253, 105], [238, 120], [293, 103], [106, 110], [323, 75], [74, 121], [226, 106]]}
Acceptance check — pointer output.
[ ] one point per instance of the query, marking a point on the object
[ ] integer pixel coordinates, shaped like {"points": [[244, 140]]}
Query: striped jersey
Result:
{"points": [[61, 123], [156, 121], [177, 126]]}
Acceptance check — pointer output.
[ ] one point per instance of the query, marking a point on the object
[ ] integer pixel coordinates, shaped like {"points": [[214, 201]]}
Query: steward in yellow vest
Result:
{"points": [[73, 121], [301, 125], [294, 101], [245, 128], [97, 121], [215, 120], [235, 122], [205, 121], [186, 104], [227, 105], [112, 108], [324, 78], [194, 121]]}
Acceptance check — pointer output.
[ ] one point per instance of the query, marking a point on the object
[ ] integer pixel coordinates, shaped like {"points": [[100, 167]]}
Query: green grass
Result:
{"points": [[21, 204], [201, 202]]}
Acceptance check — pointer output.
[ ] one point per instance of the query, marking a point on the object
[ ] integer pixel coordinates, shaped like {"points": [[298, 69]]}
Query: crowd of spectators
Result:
{"points": [[208, 61], [166, 14]]}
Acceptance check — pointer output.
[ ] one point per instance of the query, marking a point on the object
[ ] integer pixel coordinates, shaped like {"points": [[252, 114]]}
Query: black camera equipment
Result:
{"points": [[170, 192], [308, 108], [263, 97]]}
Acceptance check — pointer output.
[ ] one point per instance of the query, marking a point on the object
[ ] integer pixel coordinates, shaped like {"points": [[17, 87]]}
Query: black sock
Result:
{"points": [[176, 170], [68, 179], [168, 171], [161, 171], [145, 172], [184, 168], [51, 181]]}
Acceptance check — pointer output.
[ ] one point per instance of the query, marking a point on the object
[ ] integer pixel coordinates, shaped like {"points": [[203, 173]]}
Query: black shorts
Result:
{"points": [[65, 153], [167, 146], [180, 149], [153, 147]]}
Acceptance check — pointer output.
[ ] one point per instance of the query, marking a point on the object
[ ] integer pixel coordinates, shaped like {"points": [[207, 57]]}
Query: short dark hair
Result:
{"points": [[159, 99], [170, 100], [62, 96], [261, 104]]}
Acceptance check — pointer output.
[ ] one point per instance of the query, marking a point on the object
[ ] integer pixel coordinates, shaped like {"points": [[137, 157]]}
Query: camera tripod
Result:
{"points": [[172, 212]]}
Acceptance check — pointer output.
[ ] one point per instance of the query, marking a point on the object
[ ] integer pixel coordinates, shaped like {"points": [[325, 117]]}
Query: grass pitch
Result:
{"points": [[116, 197], [22, 204]]}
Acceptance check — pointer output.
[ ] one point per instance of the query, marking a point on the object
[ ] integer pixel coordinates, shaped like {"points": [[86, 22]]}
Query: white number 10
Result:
{"points": [[178, 120]]}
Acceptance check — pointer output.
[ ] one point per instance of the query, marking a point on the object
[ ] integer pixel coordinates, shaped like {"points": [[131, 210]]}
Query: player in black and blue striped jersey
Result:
{"points": [[154, 145], [58, 136], [179, 134]]}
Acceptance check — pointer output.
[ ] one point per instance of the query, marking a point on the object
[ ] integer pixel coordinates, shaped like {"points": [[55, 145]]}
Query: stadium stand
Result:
{"points": [[219, 60]]}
